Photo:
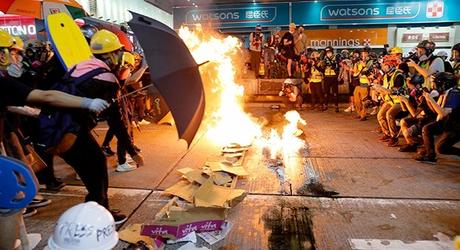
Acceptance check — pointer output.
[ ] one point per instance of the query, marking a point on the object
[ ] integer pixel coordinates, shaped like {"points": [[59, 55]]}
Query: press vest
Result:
{"points": [[389, 84], [316, 75]]}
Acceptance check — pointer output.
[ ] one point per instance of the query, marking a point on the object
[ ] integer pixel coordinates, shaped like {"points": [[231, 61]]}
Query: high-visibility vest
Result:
{"points": [[316, 75], [389, 84], [357, 70], [329, 71]]}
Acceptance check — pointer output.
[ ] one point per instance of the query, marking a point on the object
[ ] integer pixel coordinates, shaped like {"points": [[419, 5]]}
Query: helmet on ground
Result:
{"points": [[104, 41], [429, 46], [6, 40], [390, 60], [18, 44], [396, 50], [84, 226]]}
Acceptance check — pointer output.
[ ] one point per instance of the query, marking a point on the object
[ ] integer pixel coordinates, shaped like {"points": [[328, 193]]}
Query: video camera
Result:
{"points": [[412, 56]]}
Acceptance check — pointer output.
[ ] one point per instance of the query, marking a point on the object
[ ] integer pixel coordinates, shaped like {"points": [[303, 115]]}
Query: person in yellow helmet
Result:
{"points": [[402, 65], [6, 41], [106, 47]]}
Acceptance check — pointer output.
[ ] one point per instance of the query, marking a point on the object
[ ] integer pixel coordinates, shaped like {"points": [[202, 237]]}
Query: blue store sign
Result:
{"points": [[375, 12], [234, 16]]}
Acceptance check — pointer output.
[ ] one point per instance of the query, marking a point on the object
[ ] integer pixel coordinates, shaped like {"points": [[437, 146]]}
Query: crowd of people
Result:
{"points": [[417, 96], [46, 111]]}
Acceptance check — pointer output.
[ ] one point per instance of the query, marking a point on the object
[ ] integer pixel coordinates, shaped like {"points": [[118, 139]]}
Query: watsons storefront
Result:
{"points": [[350, 24]]}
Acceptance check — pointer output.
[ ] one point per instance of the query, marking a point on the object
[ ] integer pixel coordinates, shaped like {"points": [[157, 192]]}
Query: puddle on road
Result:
{"points": [[316, 189]]}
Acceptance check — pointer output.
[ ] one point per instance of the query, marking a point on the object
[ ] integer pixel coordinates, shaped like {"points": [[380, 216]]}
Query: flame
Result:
{"points": [[288, 144], [226, 120]]}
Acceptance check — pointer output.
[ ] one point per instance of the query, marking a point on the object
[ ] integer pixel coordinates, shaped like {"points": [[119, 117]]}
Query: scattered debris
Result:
{"points": [[191, 246], [213, 237]]}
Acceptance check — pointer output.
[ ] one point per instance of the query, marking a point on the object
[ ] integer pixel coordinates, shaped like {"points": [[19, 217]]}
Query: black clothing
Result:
{"points": [[13, 93], [331, 88], [288, 50], [316, 93]]}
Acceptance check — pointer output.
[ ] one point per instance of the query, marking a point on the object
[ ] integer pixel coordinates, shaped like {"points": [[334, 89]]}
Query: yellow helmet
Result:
{"points": [[17, 43], [128, 59], [396, 50], [104, 41], [6, 40]]}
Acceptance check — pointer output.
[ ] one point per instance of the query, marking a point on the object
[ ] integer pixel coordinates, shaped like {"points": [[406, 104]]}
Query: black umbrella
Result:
{"points": [[173, 71]]}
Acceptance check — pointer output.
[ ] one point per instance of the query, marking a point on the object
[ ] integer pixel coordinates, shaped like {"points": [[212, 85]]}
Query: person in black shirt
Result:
{"points": [[288, 48]]}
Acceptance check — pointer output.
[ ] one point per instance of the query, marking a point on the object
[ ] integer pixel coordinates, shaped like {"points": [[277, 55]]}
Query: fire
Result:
{"points": [[226, 120], [288, 144]]}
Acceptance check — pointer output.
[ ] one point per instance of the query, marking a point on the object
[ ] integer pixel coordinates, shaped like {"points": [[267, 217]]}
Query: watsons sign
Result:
{"points": [[226, 16], [374, 12], [370, 11]]}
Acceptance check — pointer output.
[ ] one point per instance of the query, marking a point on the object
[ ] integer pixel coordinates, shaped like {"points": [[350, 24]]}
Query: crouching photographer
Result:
{"points": [[447, 124], [420, 113], [293, 94]]}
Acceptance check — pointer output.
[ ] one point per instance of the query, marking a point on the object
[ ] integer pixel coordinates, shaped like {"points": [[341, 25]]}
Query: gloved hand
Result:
{"points": [[95, 105], [15, 70]]}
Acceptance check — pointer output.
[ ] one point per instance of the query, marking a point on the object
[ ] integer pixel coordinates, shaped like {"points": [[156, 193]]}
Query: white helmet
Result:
{"points": [[442, 54], [288, 81], [84, 226]]}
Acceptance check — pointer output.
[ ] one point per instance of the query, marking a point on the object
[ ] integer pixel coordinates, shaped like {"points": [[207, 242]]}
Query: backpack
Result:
{"points": [[448, 67], [56, 123]]}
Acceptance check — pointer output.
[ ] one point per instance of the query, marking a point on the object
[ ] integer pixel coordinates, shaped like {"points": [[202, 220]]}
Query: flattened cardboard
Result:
{"points": [[183, 189], [210, 195], [132, 234], [221, 178], [179, 221], [227, 167], [196, 176]]}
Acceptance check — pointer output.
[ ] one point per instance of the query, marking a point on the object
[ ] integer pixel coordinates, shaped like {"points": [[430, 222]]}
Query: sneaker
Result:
{"points": [[39, 202], [408, 148], [144, 122], [393, 142], [125, 167], [107, 151], [375, 110], [129, 159], [55, 186], [349, 109], [384, 138], [28, 212], [431, 159], [118, 217]]}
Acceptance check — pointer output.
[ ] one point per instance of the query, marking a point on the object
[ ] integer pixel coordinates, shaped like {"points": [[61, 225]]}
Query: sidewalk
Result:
{"points": [[382, 194]]}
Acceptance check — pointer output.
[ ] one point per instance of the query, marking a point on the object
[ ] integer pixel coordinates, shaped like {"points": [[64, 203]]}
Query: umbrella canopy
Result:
{"points": [[40, 9], [173, 71], [114, 28]]}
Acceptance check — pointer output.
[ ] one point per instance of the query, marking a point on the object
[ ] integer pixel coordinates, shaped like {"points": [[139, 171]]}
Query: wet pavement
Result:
{"points": [[342, 191]]}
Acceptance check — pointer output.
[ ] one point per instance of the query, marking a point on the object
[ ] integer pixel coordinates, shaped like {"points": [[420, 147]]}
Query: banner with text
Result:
{"points": [[375, 12], [347, 38], [409, 38], [233, 16]]}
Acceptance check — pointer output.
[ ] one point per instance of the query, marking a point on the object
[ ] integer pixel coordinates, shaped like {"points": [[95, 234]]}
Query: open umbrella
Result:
{"points": [[40, 9], [173, 71]]}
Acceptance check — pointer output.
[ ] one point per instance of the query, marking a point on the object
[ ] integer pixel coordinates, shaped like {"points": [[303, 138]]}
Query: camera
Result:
{"points": [[412, 56]]}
